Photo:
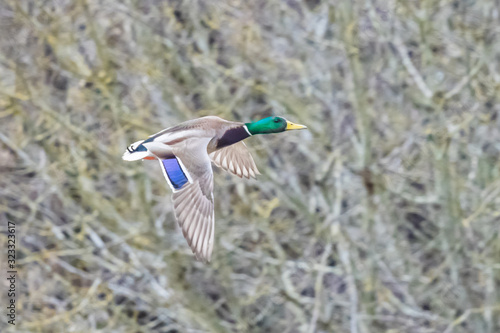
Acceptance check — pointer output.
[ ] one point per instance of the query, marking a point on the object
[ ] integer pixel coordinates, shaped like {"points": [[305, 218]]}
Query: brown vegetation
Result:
{"points": [[382, 217]]}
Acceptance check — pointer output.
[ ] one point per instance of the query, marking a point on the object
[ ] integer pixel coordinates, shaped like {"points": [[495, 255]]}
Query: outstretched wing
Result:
{"points": [[192, 184], [235, 159], [194, 210]]}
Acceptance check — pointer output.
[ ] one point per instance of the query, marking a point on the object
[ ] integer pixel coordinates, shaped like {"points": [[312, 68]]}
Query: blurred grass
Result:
{"points": [[383, 217]]}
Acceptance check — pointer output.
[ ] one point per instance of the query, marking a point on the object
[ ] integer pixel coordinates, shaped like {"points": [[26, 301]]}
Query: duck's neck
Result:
{"points": [[233, 135]]}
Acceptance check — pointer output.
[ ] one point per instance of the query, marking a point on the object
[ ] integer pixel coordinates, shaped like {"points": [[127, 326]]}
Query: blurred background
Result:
{"points": [[382, 217]]}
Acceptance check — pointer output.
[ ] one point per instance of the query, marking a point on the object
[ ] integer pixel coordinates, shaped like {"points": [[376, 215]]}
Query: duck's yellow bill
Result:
{"points": [[292, 126]]}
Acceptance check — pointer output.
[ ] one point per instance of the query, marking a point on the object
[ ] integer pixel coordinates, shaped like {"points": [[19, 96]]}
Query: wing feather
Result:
{"points": [[235, 159], [194, 210]]}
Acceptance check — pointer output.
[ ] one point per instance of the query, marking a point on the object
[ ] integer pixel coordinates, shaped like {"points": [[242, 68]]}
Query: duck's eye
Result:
{"points": [[277, 120]]}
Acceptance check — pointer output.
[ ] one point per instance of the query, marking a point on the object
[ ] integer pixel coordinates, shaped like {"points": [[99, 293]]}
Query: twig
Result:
{"points": [[466, 315], [412, 70], [317, 289], [66, 314], [464, 81]]}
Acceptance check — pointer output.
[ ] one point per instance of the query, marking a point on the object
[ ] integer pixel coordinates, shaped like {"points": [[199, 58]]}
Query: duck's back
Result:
{"points": [[209, 127]]}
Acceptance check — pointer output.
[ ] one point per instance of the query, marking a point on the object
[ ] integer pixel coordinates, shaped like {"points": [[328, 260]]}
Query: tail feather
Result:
{"points": [[135, 151]]}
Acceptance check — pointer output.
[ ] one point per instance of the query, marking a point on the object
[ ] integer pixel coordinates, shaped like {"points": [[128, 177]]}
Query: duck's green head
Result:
{"points": [[272, 125]]}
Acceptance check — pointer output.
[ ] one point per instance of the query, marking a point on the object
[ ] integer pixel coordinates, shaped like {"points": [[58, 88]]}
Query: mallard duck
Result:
{"points": [[185, 153]]}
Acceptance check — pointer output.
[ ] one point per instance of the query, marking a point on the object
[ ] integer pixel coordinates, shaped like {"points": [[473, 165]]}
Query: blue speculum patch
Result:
{"points": [[140, 148], [174, 172]]}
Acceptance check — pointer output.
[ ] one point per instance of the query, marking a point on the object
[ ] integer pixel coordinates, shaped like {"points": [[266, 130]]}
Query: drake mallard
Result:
{"points": [[185, 152]]}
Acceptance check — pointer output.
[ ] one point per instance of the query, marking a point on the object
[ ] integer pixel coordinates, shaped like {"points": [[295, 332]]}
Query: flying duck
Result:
{"points": [[185, 153]]}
